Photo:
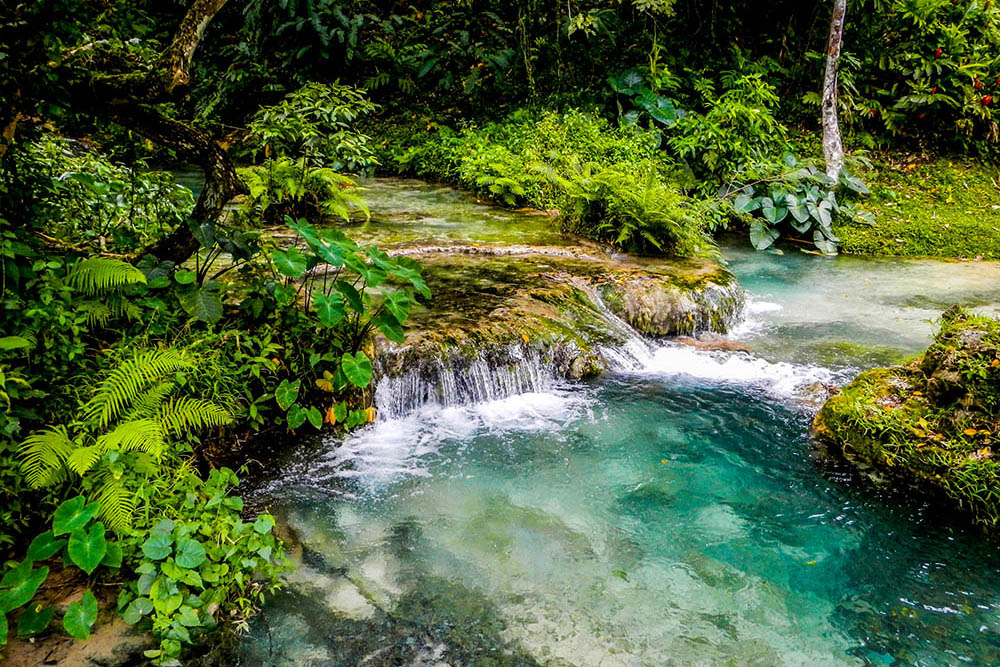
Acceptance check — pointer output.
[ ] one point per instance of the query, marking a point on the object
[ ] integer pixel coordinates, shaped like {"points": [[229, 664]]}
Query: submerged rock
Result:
{"points": [[932, 423]]}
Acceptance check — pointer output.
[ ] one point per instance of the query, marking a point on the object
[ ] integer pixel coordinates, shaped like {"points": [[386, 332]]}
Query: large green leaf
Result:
{"points": [[14, 343], [34, 620], [774, 213], [113, 558], [44, 546], [291, 262], [203, 303], [351, 296], [823, 244], [3, 629], [158, 546], [286, 393], [398, 303], [87, 549], [136, 609], [80, 616], [390, 327], [357, 368], [762, 237], [329, 309], [629, 82], [296, 416], [73, 514], [190, 553], [19, 585]]}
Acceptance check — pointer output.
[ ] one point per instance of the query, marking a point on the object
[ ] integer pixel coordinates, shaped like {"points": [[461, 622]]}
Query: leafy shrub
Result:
{"points": [[285, 187], [316, 123], [802, 198]]}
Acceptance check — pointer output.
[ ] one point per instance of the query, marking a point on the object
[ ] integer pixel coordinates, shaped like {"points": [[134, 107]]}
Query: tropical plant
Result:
{"points": [[802, 197], [122, 433], [316, 123], [284, 186]]}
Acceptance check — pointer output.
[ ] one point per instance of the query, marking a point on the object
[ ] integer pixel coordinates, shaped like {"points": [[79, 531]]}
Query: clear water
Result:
{"points": [[669, 516]]}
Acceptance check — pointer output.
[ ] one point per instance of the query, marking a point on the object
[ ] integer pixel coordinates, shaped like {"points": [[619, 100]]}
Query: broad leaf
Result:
{"points": [[296, 416], [284, 295], [357, 368], [390, 327], [744, 203], [329, 309], [185, 277], [351, 295], [158, 546], [762, 237], [80, 616], [203, 303], [14, 343], [398, 303], [286, 393], [315, 417], [136, 609], [823, 244], [190, 553], [73, 514], [291, 263], [87, 550], [44, 546], [34, 620], [113, 557], [20, 584]]}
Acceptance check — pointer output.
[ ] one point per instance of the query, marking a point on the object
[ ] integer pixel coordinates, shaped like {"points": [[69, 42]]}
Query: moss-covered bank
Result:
{"points": [[933, 422], [928, 207]]}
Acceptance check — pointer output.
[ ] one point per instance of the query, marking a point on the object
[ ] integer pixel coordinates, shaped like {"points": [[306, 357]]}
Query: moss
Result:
{"points": [[931, 208], [933, 422]]}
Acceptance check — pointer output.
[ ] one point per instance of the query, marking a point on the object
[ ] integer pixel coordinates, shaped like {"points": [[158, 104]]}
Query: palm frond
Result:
{"points": [[117, 503], [101, 275], [43, 456], [82, 459], [147, 404], [130, 380]]}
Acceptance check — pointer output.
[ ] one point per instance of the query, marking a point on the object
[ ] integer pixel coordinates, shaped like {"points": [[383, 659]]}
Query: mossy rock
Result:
{"points": [[551, 307], [933, 422]]}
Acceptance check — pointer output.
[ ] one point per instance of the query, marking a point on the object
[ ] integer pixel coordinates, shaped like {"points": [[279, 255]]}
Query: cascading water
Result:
{"points": [[666, 514]]}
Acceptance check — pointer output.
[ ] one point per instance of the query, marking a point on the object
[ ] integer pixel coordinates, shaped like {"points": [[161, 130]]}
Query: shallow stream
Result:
{"points": [[668, 515]]}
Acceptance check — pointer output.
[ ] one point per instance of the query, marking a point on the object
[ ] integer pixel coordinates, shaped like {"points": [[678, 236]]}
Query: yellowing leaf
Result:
{"points": [[970, 431], [525, 337], [370, 413], [331, 415]]}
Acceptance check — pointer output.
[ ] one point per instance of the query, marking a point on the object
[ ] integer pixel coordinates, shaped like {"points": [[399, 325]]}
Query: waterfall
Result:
{"points": [[459, 379]]}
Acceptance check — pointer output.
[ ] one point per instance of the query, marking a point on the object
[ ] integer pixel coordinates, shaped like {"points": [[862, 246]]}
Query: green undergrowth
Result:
{"points": [[933, 422], [923, 207], [608, 183]]}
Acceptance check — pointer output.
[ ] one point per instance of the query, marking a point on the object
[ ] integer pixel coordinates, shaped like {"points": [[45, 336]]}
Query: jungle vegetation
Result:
{"points": [[146, 331]]}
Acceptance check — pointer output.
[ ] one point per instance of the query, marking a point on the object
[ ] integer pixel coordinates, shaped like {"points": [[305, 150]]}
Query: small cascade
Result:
{"points": [[460, 379]]}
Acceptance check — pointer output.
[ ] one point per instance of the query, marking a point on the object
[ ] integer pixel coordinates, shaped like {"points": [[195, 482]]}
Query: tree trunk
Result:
{"points": [[833, 144]]}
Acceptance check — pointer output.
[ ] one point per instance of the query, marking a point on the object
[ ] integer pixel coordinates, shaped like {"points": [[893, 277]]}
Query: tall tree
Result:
{"points": [[101, 79], [833, 143]]}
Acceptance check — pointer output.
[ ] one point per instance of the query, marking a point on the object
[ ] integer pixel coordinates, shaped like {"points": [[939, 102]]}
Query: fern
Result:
{"points": [[44, 454], [133, 414], [183, 414], [130, 380], [102, 275]]}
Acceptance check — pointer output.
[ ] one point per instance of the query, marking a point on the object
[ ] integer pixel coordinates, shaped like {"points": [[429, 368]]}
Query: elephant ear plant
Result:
{"points": [[339, 293], [83, 542]]}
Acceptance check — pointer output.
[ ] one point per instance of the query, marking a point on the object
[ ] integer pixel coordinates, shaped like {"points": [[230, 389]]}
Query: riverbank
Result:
{"points": [[926, 206]]}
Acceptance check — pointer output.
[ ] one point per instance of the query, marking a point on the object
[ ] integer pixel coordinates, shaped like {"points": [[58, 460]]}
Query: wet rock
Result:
{"points": [[712, 343]]}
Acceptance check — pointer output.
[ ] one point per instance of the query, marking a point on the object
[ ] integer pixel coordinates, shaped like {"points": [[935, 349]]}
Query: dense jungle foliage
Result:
{"points": [[147, 332]]}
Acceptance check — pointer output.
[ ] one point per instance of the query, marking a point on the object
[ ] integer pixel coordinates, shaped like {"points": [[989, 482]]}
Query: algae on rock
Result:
{"points": [[933, 422]]}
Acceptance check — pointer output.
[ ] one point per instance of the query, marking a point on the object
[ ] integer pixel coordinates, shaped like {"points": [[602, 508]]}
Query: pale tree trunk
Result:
{"points": [[833, 144]]}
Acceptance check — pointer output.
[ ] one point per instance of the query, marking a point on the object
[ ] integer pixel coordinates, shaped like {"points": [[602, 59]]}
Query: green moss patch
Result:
{"points": [[934, 421], [929, 208]]}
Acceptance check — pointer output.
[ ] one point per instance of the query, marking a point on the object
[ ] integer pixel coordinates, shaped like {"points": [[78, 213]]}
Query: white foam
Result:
{"points": [[382, 452], [738, 368]]}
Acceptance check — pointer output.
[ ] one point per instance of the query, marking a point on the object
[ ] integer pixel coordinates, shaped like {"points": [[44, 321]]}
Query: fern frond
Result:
{"points": [[189, 414], [82, 459], [117, 503], [101, 275], [147, 404], [142, 435], [129, 380], [43, 456]]}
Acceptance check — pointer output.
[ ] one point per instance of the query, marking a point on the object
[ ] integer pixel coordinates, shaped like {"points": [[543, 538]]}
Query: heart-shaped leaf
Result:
{"points": [[296, 416], [44, 546], [203, 303], [329, 309], [158, 546], [315, 417], [87, 549], [20, 584], [286, 393], [190, 553], [73, 514], [762, 236], [357, 368], [34, 620], [80, 616], [398, 303], [291, 262]]}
